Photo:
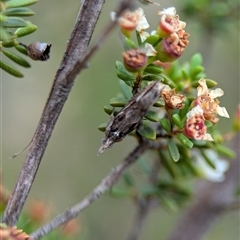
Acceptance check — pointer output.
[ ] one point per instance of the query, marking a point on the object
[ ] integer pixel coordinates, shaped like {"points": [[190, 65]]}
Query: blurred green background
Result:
{"points": [[71, 168]]}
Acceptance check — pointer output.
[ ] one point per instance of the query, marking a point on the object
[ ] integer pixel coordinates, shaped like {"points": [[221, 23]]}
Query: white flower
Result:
{"points": [[209, 103], [208, 172]]}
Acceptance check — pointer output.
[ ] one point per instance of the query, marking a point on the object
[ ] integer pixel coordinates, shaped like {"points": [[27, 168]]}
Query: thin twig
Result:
{"points": [[87, 18], [144, 205], [106, 183]]}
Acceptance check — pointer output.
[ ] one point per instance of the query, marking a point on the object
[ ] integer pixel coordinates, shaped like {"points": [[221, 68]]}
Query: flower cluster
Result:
{"points": [[206, 108], [173, 117], [171, 38]]}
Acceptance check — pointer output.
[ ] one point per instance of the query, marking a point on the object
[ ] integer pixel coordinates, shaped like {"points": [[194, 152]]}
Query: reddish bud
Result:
{"points": [[135, 60]]}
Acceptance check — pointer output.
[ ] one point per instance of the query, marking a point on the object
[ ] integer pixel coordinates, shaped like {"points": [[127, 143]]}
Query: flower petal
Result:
{"points": [[207, 137], [149, 50], [195, 111], [221, 111], [218, 92], [202, 88]]}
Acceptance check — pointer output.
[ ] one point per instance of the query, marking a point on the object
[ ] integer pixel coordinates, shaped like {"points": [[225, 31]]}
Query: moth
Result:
{"points": [[130, 116]]}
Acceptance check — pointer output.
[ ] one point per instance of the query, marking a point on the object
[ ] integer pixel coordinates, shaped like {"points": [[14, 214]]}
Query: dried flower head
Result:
{"points": [[169, 22], [208, 102], [7, 233], [172, 47], [135, 60], [172, 100], [195, 125], [131, 21]]}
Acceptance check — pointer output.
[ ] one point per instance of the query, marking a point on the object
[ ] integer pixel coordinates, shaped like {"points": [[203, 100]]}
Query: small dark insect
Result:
{"points": [[38, 51], [130, 116]]}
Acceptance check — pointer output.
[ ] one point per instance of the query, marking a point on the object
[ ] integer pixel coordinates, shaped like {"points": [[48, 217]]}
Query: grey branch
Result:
{"points": [[72, 63], [106, 183], [210, 201]]}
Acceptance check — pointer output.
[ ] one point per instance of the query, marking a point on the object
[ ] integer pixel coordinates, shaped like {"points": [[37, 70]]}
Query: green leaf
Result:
{"points": [[195, 71], [123, 74], [102, 127], [11, 70], [210, 83], [159, 103], [21, 49], [151, 77], [183, 112], [208, 124], [126, 90], [148, 191], [151, 116], [19, 12], [147, 132], [128, 179], [166, 125], [177, 120], [109, 110], [207, 159], [20, 32], [17, 59], [168, 202], [117, 192], [10, 43], [196, 60], [184, 140], [170, 166], [19, 3], [168, 81], [153, 40], [225, 151], [4, 35], [153, 69], [118, 102], [14, 22], [129, 44], [185, 74], [173, 150]]}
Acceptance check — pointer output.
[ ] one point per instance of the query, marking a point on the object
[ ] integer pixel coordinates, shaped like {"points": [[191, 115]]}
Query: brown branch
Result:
{"points": [[210, 201], [106, 183], [71, 65]]}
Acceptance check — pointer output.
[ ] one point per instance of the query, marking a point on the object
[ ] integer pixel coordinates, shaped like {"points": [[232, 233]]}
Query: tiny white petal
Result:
{"points": [[218, 92], [221, 111], [149, 50], [207, 137], [202, 88], [142, 25], [170, 11], [144, 35], [195, 111]]}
